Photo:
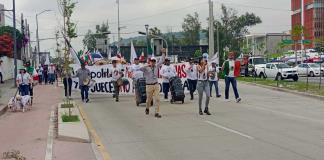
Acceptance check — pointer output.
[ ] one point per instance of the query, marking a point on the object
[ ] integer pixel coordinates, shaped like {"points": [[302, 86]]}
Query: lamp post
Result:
{"points": [[37, 37]]}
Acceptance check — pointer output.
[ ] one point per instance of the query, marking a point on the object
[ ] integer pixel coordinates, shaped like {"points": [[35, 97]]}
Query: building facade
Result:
{"points": [[261, 44], [2, 15], [310, 14]]}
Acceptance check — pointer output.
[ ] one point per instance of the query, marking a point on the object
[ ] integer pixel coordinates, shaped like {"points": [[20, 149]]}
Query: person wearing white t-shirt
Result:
{"points": [[192, 77], [203, 85], [116, 73], [136, 73], [213, 79], [1, 72], [167, 72], [23, 80]]}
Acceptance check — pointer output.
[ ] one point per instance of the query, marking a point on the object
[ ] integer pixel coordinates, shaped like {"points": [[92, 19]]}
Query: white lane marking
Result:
{"points": [[229, 130], [289, 115], [50, 136]]}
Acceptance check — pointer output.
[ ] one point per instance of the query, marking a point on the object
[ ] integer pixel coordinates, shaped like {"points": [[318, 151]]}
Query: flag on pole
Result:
{"points": [[133, 53], [73, 53]]}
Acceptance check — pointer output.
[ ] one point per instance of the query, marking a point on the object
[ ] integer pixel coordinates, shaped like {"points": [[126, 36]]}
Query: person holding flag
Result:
{"points": [[231, 70]]}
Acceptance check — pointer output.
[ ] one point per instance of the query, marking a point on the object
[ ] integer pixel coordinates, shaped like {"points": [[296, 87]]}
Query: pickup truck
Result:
{"points": [[278, 71]]}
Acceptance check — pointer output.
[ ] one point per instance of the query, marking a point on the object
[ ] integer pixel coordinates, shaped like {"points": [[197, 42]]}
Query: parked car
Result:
{"points": [[310, 69], [278, 71]]}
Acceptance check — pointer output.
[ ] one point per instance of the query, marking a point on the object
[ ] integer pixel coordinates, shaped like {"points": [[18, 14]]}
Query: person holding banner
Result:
{"points": [[152, 86], [213, 78], [84, 78], [116, 73], [167, 72], [231, 69], [192, 75], [203, 85], [136, 73]]}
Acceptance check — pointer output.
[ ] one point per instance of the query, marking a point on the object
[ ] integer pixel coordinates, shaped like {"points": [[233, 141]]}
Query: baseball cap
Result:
{"points": [[152, 59]]}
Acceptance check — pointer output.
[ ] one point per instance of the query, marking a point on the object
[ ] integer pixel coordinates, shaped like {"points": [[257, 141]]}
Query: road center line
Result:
{"points": [[229, 130]]}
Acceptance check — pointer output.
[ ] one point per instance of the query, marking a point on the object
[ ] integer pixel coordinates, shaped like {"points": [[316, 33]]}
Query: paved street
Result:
{"points": [[267, 125]]}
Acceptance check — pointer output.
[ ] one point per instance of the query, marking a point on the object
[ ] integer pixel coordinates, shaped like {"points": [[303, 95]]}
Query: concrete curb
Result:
{"points": [[318, 97], [3, 110], [72, 131]]}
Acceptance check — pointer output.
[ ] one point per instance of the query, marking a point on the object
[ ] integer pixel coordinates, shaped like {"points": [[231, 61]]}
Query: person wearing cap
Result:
{"points": [[231, 69], [1, 70], [213, 78], [167, 72], [84, 75], [23, 80], [192, 77], [136, 73], [152, 86], [116, 73]]}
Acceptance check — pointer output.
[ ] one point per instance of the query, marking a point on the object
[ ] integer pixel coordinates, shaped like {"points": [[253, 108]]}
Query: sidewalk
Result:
{"points": [[7, 90], [28, 132]]}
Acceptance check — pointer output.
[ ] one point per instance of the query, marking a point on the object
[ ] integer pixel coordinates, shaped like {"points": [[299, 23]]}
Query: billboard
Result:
{"points": [[2, 15]]}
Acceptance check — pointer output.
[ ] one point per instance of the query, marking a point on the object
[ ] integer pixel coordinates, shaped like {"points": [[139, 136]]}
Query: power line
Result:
{"points": [[252, 6]]}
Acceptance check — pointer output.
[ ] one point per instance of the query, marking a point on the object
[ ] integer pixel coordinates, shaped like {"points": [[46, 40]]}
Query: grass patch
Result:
{"points": [[72, 118], [67, 105], [296, 86]]}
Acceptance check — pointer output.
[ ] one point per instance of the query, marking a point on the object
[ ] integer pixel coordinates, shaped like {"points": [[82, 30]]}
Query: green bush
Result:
{"points": [[72, 118]]}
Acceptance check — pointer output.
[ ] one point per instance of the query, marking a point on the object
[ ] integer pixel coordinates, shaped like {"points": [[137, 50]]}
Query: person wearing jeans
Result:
{"points": [[1, 70], [116, 73], [67, 81], [203, 86], [213, 79], [231, 69], [23, 80], [84, 75], [192, 75]]}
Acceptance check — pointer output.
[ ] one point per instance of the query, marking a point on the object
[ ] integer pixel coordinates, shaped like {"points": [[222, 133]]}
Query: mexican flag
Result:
{"points": [[237, 68]]}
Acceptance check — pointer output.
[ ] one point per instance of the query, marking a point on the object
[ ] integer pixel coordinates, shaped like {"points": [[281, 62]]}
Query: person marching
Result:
{"points": [[213, 79], [192, 75], [116, 74], [84, 76], [167, 72], [67, 81], [136, 73], [152, 86], [231, 69], [203, 85], [40, 74], [23, 80], [1, 72]]}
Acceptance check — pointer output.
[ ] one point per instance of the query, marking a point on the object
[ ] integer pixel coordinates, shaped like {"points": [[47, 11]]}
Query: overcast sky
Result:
{"points": [[134, 14]]}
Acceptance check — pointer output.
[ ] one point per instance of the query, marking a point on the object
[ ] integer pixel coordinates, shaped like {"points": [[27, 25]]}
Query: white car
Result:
{"points": [[278, 71], [309, 69]]}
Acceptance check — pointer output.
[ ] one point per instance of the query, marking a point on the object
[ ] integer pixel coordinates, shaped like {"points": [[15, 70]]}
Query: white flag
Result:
{"points": [[133, 53], [74, 57]]}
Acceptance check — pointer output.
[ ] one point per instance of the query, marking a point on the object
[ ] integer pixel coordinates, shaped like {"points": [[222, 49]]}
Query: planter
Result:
{"points": [[71, 131]]}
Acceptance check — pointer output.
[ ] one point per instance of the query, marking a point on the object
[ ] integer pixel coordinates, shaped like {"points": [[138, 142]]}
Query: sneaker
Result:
{"points": [[147, 111], [117, 100], [218, 96], [157, 115], [87, 100], [200, 113], [238, 100]]}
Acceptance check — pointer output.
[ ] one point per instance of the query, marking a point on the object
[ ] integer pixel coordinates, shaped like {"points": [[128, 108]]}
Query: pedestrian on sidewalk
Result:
{"points": [[231, 69], [51, 74], [167, 72], [116, 74], [40, 74], [192, 75], [203, 85], [45, 74], [213, 78], [67, 82], [1, 72], [152, 86], [84, 78], [23, 80]]}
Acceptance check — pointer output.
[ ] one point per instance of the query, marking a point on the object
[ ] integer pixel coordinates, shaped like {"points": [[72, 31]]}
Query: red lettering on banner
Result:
{"points": [[181, 70]]}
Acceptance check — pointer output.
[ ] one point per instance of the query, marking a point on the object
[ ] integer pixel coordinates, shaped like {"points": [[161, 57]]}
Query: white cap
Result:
{"points": [[153, 58]]}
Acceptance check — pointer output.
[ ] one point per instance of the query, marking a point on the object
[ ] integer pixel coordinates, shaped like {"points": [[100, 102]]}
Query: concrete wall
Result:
{"points": [[8, 67]]}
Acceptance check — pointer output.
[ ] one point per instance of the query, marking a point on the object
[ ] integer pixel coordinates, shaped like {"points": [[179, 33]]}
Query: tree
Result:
{"points": [[90, 38], [155, 31], [191, 29], [296, 33], [232, 29]]}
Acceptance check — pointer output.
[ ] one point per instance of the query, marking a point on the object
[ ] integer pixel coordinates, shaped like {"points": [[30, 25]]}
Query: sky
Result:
{"points": [[167, 15]]}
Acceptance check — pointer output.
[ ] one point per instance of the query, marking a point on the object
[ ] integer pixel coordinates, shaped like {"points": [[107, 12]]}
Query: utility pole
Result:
{"points": [[15, 38], [118, 43], [147, 39], [302, 12], [211, 30], [218, 53]]}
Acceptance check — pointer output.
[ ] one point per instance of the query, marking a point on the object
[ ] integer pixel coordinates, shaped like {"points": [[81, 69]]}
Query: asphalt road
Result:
{"points": [[266, 125]]}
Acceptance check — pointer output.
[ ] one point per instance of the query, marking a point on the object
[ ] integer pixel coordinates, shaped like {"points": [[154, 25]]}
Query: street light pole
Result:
{"points": [[118, 43], [37, 37], [147, 39]]}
